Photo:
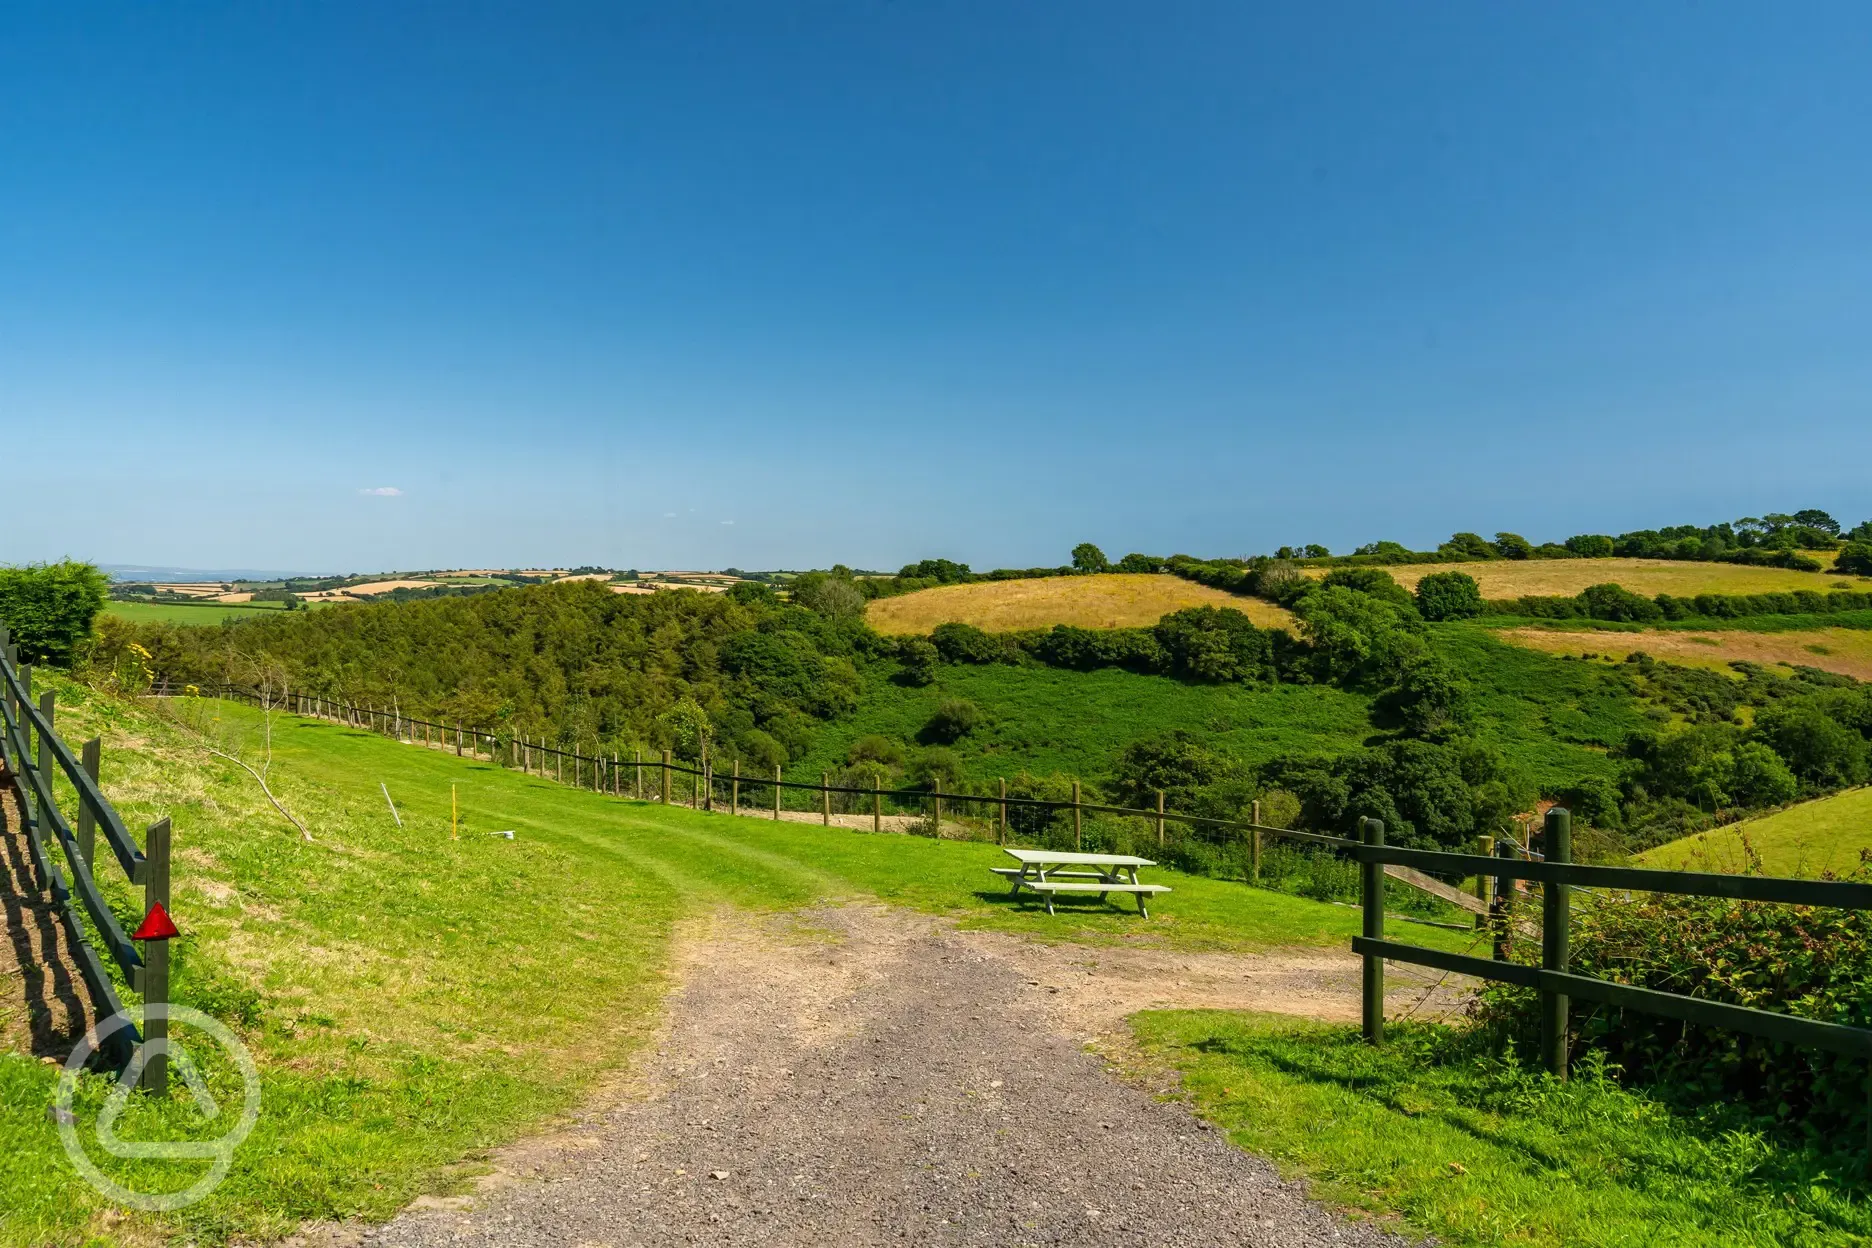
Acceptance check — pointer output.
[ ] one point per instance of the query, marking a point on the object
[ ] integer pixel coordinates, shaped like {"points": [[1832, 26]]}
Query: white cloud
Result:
{"points": [[727, 522], [669, 515], [382, 491]]}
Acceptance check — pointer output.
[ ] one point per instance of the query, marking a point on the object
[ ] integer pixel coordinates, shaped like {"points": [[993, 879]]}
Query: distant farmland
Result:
{"points": [[1117, 600], [1514, 578], [1847, 651], [189, 613]]}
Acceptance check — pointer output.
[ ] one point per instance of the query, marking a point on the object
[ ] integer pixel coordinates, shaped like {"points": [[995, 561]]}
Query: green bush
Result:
{"points": [[1449, 596], [1855, 559], [964, 643], [954, 719], [1809, 961], [50, 608], [1088, 558], [919, 661], [1614, 602], [1377, 582]]}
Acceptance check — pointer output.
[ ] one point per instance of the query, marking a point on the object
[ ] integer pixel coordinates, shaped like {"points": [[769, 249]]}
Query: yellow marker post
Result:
{"points": [[454, 815]]}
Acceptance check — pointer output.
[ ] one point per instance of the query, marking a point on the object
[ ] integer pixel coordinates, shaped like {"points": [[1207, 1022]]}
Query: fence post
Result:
{"points": [[936, 810], [156, 961], [663, 789], [1556, 941], [705, 778], [1485, 848], [1001, 837], [825, 798], [637, 762], [1078, 826], [87, 821], [776, 792], [734, 789], [1502, 911], [877, 803], [47, 705], [1254, 843], [1371, 896], [1160, 818]]}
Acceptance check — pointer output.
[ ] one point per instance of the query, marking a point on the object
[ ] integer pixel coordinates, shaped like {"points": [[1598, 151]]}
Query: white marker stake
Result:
{"points": [[386, 797]]}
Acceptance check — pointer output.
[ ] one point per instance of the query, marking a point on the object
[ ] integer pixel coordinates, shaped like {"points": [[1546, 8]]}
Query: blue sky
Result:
{"points": [[784, 284]]}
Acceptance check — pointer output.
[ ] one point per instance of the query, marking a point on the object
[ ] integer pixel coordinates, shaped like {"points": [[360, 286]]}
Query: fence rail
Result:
{"points": [[23, 724], [1553, 979]]}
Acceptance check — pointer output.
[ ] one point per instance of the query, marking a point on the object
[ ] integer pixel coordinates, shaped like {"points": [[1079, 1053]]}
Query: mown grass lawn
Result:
{"points": [[413, 1000], [1482, 1152]]}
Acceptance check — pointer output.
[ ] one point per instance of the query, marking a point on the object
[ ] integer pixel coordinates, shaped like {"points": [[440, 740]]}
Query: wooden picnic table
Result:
{"points": [[1047, 872]]}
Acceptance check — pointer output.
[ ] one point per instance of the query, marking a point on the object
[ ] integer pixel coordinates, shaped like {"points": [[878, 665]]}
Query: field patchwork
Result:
{"points": [[1516, 578], [1114, 600], [1847, 651]]}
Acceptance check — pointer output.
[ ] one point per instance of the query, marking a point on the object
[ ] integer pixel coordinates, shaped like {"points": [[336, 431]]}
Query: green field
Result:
{"points": [[1826, 834], [1480, 1152], [189, 613], [1557, 718], [412, 999]]}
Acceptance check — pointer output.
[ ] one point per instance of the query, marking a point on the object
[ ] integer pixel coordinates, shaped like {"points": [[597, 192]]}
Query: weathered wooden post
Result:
{"points": [[1485, 848], [458, 740], [734, 789], [1160, 818], [1556, 941], [704, 778], [1503, 909], [637, 762], [156, 961], [1001, 831], [87, 820], [47, 708], [825, 798], [1078, 824], [1254, 843], [877, 803], [663, 790], [1371, 895], [776, 792], [936, 810]]}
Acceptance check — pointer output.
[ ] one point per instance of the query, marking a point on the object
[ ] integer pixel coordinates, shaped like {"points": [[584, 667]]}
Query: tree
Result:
{"points": [[752, 594], [50, 608], [834, 597], [1449, 596], [1862, 532], [1430, 698], [1814, 518], [1374, 581], [1088, 558], [919, 661], [1467, 546], [1590, 545], [1855, 559], [1513, 546], [1140, 563], [1395, 552], [1816, 747], [1356, 638]]}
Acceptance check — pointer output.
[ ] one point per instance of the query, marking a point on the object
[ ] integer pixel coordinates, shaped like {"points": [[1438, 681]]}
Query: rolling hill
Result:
{"points": [[1826, 834], [1114, 600], [1515, 578]]}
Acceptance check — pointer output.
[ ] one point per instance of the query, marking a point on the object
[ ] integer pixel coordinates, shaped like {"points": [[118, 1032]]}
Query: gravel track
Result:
{"points": [[865, 1075]]}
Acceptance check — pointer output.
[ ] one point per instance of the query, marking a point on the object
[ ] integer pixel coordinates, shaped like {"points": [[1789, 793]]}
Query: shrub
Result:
{"points": [[753, 594], [1614, 602], [1469, 546], [1855, 559], [1374, 581], [1818, 749], [1449, 596], [938, 763], [875, 748], [953, 720], [1513, 546], [964, 643], [834, 597], [919, 661], [1088, 558], [1140, 563], [1214, 644], [50, 608], [1590, 546]]}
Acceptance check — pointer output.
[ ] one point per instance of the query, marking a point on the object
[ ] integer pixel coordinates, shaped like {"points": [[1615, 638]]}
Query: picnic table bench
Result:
{"points": [[1047, 872]]}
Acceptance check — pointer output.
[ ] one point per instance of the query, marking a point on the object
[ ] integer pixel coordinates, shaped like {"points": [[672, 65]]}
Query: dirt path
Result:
{"points": [[866, 1075]]}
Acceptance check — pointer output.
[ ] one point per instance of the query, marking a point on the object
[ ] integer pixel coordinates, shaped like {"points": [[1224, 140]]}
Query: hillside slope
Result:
{"points": [[1514, 578], [1826, 834]]}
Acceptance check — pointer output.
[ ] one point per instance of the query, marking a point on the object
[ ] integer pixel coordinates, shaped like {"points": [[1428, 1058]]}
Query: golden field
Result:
{"points": [[1847, 651], [1111, 600], [1514, 578]]}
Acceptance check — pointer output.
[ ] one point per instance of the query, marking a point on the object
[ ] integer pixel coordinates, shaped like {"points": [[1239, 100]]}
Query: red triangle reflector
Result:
{"points": [[156, 925]]}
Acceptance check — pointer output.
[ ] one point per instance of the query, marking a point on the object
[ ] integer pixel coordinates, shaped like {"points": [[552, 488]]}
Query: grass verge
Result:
{"points": [[1480, 1151], [414, 1000]]}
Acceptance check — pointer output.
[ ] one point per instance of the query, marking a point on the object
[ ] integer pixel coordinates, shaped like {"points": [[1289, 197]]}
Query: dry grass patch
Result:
{"points": [[1514, 578], [1114, 600], [1847, 651]]}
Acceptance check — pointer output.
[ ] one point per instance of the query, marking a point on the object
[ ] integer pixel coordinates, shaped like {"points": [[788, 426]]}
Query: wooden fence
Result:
{"points": [[33, 782]]}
